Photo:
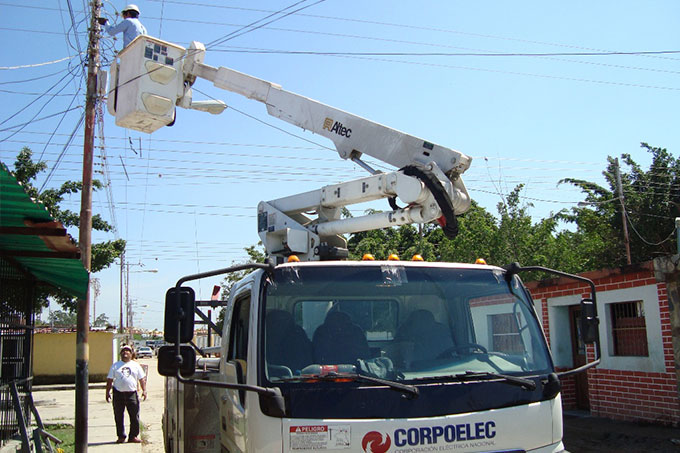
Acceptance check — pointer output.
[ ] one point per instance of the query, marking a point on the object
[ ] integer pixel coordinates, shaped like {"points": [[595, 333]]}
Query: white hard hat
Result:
{"points": [[131, 7]]}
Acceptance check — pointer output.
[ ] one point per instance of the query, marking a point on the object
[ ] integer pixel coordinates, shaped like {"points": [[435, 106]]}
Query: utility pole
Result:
{"points": [[85, 234], [122, 266], [128, 311], [619, 188]]}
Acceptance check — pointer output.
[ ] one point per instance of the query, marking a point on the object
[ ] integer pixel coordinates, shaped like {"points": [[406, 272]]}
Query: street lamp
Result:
{"points": [[126, 266], [127, 290]]}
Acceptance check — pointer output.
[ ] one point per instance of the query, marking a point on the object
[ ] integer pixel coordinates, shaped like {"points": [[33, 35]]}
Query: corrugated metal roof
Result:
{"points": [[31, 238]]}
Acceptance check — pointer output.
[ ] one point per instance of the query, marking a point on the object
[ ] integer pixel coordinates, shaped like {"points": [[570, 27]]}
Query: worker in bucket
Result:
{"points": [[131, 27]]}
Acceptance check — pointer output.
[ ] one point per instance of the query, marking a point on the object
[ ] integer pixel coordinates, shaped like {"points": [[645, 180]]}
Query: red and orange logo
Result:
{"points": [[375, 442]]}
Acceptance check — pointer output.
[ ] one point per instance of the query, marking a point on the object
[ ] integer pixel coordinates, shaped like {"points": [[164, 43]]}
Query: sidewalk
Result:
{"points": [[56, 404]]}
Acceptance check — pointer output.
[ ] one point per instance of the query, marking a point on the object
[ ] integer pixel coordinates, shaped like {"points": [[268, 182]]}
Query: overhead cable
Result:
{"points": [[35, 65], [269, 124], [252, 26], [419, 27], [33, 79], [451, 54], [672, 233], [63, 152], [59, 124], [45, 93]]}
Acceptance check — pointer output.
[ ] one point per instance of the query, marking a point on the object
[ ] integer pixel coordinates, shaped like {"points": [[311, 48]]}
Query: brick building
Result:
{"points": [[639, 311]]}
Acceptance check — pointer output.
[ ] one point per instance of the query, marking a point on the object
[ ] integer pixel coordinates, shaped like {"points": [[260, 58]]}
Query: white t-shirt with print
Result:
{"points": [[126, 375]]}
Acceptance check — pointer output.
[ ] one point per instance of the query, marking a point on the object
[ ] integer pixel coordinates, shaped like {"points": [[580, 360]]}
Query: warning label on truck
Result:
{"points": [[202, 443], [319, 437]]}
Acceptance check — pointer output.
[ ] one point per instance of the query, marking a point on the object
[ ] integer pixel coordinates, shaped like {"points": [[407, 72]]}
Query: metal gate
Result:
{"points": [[17, 297]]}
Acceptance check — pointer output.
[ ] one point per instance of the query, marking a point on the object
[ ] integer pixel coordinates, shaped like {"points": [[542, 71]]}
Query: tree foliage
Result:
{"points": [[60, 318], [512, 236], [101, 321], [103, 253], [652, 202]]}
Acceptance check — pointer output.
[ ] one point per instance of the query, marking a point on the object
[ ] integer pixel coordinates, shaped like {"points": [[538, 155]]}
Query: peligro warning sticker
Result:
{"points": [[319, 437]]}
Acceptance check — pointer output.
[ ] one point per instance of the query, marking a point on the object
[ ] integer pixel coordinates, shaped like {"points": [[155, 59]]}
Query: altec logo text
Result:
{"points": [[337, 127], [375, 442]]}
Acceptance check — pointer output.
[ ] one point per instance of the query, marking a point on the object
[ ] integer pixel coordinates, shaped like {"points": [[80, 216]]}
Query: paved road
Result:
{"points": [[152, 410], [58, 406]]}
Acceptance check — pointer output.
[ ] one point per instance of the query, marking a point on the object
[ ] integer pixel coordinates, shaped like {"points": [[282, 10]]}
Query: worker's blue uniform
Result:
{"points": [[130, 27]]}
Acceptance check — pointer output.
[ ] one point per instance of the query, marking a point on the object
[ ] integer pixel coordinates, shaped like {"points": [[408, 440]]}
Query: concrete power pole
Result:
{"points": [[619, 189], [121, 324], [85, 234]]}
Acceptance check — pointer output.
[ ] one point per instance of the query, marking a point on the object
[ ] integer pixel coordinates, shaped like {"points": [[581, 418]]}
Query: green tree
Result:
{"points": [[103, 253], [512, 236], [101, 321], [476, 231], [404, 241], [60, 318], [652, 202]]}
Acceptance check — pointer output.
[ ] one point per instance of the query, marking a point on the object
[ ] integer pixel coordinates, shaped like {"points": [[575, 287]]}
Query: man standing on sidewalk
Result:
{"points": [[124, 376]]}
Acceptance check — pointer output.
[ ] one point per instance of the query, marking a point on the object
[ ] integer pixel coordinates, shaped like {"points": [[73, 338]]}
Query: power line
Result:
{"points": [[44, 32], [449, 54], [253, 25], [25, 93], [419, 27], [59, 124], [75, 34], [66, 146], [516, 73], [570, 163], [34, 120], [32, 79], [45, 93], [550, 56], [672, 233], [35, 65]]}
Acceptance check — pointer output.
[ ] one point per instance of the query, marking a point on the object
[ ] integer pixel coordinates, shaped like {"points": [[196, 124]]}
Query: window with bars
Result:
{"points": [[629, 330], [505, 333]]}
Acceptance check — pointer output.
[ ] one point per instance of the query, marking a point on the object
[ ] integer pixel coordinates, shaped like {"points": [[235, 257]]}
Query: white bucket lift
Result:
{"points": [[146, 84]]}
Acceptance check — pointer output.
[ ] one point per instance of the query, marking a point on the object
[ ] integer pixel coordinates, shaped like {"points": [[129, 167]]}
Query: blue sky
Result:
{"points": [[185, 197]]}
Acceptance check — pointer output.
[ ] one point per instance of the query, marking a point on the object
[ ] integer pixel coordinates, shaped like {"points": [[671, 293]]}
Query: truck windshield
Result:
{"points": [[399, 322]]}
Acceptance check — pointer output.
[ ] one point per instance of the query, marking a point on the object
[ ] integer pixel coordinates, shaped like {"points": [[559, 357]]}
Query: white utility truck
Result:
{"points": [[324, 354]]}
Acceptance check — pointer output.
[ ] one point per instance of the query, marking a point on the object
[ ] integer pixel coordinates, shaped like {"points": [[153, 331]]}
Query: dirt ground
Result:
{"points": [[586, 434]]}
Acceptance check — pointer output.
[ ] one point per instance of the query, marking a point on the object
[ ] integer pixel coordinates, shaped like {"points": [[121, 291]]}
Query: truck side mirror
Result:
{"points": [[168, 365], [589, 322], [179, 311]]}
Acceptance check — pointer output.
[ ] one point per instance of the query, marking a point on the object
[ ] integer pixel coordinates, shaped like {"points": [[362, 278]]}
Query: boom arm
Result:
{"points": [[351, 134], [428, 181]]}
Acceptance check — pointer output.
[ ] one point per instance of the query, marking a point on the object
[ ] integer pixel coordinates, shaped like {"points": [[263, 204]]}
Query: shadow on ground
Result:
{"points": [[586, 434]]}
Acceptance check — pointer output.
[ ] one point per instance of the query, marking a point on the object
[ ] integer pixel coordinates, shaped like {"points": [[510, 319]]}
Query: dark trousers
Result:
{"points": [[129, 401]]}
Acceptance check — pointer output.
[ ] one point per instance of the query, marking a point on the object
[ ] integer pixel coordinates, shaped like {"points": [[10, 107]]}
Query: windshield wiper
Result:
{"points": [[405, 388], [527, 384]]}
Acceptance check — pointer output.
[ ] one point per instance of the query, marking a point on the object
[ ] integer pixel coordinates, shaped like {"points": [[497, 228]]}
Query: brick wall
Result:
{"points": [[633, 395]]}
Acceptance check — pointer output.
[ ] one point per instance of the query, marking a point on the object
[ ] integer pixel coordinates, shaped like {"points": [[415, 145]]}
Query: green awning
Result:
{"points": [[32, 239]]}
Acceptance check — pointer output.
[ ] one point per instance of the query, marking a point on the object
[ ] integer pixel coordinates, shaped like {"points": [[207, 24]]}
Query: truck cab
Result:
{"points": [[385, 356]]}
